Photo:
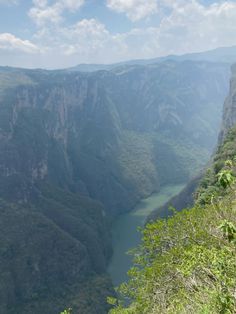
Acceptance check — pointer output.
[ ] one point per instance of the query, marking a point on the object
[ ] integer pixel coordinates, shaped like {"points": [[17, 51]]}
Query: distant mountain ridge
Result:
{"points": [[222, 54]]}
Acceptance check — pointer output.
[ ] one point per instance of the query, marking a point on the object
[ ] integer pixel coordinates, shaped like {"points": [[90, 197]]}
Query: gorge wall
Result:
{"points": [[186, 263], [77, 149], [229, 116]]}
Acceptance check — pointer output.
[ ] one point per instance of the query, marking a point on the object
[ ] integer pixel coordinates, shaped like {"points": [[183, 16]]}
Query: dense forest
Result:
{"points": [[187, 262], [78, 149]]}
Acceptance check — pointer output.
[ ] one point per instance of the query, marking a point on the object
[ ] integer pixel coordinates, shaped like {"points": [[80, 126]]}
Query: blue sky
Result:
{"points": [[63, 33]]}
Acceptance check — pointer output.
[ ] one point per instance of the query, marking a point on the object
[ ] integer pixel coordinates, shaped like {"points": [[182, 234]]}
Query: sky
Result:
{"points": [[63, 33]]}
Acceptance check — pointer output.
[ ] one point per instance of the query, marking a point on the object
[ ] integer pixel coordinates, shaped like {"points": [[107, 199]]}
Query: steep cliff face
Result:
{"points": [[187, 263], [229, 116], [114, 136], [51, 122], [77, 149], [176, 255], [176, 98], [54, 242], [186, 197]]}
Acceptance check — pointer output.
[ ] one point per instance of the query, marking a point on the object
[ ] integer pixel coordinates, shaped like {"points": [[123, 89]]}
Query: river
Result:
{"points": [[125, 235]]}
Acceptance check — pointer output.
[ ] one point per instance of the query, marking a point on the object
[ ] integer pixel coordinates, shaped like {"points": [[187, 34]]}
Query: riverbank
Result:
{"points": [[125, 235]]}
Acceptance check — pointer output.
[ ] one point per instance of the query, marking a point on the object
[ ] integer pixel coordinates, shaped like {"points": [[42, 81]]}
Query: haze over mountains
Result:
{"points": [[77, 149], [186, 263], [222, 54]]}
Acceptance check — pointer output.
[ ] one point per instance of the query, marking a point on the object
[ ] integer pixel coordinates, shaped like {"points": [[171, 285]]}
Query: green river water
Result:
{"points": [[125, 234]]}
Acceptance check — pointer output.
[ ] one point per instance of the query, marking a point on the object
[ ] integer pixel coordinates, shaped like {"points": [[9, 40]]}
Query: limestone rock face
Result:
{"points": [[77, 149], [229, 114], [84, 131]]}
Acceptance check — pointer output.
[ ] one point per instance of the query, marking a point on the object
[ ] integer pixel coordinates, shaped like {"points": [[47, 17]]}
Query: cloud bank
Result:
{"points": [[134, 9], [184, 26]]}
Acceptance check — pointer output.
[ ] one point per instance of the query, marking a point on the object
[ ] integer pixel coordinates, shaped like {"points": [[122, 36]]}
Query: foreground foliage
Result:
{"points": [[187, 263]]}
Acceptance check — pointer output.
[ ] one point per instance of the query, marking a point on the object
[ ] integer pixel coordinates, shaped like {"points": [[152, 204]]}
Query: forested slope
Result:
{"points": [[187, 263], [76, 150]]}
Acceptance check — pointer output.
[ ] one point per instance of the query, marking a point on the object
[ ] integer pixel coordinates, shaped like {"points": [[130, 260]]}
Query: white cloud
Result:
{"points": [[189, 27], [86, 29], [134, 9], [72, 5], [184, 26], [42, 13], [9, 42], [194, 27], [82, 40]]}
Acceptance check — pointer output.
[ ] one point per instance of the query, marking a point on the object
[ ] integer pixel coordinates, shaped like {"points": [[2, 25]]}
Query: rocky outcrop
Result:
{"points": [[229, 115]]}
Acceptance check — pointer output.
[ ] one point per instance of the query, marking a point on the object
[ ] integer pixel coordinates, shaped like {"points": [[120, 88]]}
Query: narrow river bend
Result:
{"points": [[125, 234]]}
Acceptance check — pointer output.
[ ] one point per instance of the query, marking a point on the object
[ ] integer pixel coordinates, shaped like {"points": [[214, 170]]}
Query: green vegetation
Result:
{"points": [[221, 173], [125, 235], [10, 78], [76, 150], [68, 311], [44, 249], [148, 161], [187, 263]]}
